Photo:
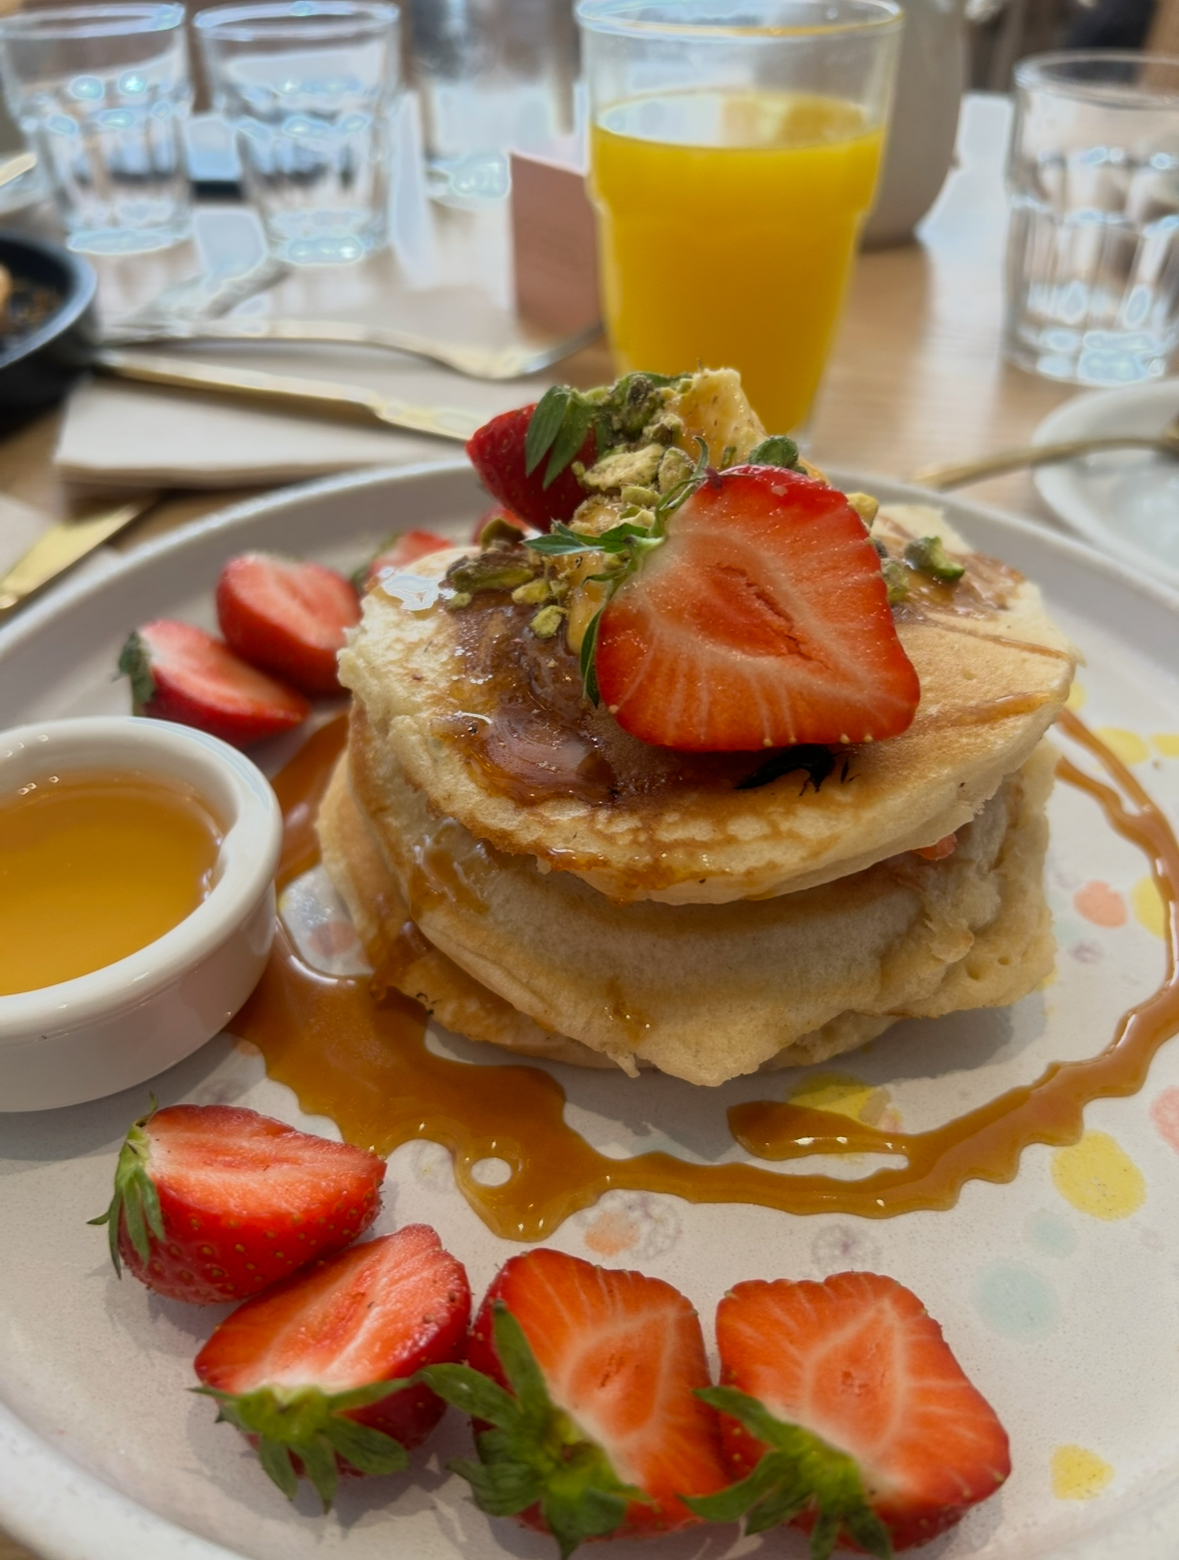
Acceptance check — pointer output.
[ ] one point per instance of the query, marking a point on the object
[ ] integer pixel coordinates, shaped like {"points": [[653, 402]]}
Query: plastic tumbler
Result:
{"points": [[1093, 246], [102, 93], [309, 87], [735, 147]]}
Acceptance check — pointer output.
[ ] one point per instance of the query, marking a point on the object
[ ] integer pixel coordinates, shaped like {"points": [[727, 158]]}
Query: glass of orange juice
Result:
{"points": [[734, 149]]}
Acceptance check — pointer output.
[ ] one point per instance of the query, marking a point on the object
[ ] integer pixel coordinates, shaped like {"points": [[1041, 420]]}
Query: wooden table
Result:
{"points": [[916, 376]]}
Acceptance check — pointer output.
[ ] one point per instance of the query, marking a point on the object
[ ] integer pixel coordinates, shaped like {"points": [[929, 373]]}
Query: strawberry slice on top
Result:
{"points": [[587, 1377], [845, 1407], [214, 1202], [317, 1371], [760, 621]]}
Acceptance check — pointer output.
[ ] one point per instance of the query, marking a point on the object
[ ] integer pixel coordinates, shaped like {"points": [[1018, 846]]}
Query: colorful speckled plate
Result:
{"points": [[1059, 1291]]}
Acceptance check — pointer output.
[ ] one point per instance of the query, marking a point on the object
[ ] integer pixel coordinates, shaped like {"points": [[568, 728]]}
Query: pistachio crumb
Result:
{"points": [[865, 506], [547, 621], [532, 593]]}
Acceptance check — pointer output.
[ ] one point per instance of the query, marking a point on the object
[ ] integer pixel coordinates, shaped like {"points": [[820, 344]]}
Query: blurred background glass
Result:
{"points": [[735, 147], [491, 75], [1093, 249], [309, 87], [102, 93]]}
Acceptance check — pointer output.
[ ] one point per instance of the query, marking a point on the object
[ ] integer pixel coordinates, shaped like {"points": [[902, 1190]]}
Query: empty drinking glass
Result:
{"points": [[102, 93], [490, 75], [309, 87], [1093, 250]]}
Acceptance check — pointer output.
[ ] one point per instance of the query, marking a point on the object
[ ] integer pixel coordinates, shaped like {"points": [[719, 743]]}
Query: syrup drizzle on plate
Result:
{"points": [[364, 1062]]}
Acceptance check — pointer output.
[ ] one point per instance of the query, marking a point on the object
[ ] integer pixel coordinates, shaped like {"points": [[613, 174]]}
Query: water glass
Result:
{"points": [[102, 93], [309, 87], [1093, 247], [734, 152], [490, 75]]}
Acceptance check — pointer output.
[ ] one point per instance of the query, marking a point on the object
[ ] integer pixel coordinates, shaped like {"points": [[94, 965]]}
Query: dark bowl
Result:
{"points": [[39, 364]]}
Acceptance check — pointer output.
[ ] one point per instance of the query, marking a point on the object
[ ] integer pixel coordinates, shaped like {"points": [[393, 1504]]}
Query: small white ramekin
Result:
{"points": [[111, 1029]]}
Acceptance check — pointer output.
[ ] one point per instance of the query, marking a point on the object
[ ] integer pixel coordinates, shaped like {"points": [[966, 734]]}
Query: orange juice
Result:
{"points": [[94, 866], [727, 228]]}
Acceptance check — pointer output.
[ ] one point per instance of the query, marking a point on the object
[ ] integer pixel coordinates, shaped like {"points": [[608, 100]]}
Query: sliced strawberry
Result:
{"points": [[589, 1376], [180, 673], [853, 1415], [497, 453], [761, 622], [315, 1372], [407, 549], [287, 616], [213, 1202]]}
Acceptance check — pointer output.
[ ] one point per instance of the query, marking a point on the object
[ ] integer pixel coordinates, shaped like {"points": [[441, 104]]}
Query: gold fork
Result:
{"points": [[960, 473]]}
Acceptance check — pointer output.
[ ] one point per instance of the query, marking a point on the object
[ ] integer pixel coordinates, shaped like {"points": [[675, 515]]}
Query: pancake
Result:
{"points": [[512, 755], [543, 964]]}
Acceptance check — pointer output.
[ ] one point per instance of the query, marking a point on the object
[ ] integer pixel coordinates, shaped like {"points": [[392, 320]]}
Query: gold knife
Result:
{"points": [[65, 544], [445, 422]]}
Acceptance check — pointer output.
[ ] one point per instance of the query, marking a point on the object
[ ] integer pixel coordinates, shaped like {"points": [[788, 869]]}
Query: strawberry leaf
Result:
{"points": [[570, 437], [534, 1453], [135, 663], [800, 1471], [135, 1198], [777, 450], [312, 1425], [545, 424]]}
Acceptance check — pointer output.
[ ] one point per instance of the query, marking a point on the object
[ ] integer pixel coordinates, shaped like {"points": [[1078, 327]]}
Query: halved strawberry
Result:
{"points": [[287, 616], [180, 673], [316, 1371], [405, 550], [588, 1376], [762, 621], [497, 453], [214, 1202], [852, 1418]]}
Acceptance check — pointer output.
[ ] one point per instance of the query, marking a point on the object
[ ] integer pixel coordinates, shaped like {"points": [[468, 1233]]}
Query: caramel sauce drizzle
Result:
{"points": [[364, 1062]]}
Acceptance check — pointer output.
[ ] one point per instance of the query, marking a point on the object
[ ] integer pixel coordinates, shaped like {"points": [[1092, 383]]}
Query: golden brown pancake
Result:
{"points": [[994, 672], [544, 964]]}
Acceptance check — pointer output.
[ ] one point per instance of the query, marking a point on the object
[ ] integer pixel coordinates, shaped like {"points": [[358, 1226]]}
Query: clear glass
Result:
{"points": [[309, 87], [102, 93], [490, 75], [1093, 246], [735, 148]]}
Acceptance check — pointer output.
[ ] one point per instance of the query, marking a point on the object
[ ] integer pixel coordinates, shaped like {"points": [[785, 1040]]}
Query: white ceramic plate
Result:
{"points": [[1068, 1321], [1125, 502]]}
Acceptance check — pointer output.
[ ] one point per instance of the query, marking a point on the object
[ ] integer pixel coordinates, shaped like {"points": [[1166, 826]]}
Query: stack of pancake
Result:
{"points": [[542, 881]]}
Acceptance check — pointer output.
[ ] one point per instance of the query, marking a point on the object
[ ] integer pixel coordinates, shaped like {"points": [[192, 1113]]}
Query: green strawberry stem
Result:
{"points": [[135, 1197], [534, 1454], [312, 1425], [800, 1472], [135, 663]]}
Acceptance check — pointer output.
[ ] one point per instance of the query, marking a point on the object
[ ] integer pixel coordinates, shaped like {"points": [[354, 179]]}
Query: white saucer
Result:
{"points": [[1125, 502]]}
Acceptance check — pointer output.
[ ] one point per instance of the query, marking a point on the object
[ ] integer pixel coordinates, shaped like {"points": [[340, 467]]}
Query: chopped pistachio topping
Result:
{"points": [[547, 621], [533, 593], [664, 429], [639, 497], [460, 599], [675, 468], [896, 578], [929, 556], [865, 506], [498, 529], [493, 570], [624, 468]]}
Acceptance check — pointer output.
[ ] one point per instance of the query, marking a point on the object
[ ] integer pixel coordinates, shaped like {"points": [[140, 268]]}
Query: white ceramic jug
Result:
{"points": [[930, 83]]}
